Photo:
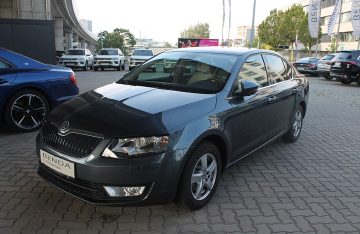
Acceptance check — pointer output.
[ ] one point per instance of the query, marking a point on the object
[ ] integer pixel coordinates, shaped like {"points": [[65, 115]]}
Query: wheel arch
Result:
{"points": [[26, 87]]}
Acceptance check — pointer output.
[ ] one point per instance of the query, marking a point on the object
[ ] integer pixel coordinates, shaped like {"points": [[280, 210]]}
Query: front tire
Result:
{"points": [[85, 68], [26, 110], [201, 176], [345, 81], [119, 67], [328, 77], [296, 125]]}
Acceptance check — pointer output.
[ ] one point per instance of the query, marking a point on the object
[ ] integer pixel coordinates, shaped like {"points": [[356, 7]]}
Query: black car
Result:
{"points": [[307, 65], [155, 136], [346, 67]]}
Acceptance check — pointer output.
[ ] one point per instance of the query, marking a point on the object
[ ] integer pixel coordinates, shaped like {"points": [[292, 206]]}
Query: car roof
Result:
{"points": [[222, 50], [110, 49]]}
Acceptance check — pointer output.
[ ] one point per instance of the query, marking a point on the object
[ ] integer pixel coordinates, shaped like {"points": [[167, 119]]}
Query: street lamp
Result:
{"points": [[252, 26]]}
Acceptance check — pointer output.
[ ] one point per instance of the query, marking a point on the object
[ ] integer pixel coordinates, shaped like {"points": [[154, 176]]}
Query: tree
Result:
{"points": [[304, 34], [118, 38], [268, 30], [332, 47], [167, 44], [200, 30]]}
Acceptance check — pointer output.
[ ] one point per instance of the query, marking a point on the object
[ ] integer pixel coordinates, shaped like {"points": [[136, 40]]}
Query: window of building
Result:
{"points": [[346, 17]]}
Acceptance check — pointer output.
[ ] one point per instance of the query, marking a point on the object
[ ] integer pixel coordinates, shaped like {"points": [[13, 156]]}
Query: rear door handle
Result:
{"points": [[272, 99]]}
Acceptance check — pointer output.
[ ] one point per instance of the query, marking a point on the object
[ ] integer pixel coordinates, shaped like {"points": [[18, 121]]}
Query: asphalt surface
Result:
{"points": [[311, 186]]}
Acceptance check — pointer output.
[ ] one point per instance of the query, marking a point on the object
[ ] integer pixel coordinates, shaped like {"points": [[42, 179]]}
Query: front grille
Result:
{"points": [[73, 144]]}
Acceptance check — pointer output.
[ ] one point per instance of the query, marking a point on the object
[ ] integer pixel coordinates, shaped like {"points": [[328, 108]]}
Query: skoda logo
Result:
{"points": [[64, 127]]}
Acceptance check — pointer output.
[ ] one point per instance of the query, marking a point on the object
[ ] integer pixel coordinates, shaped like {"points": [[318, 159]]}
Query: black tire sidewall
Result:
{"points": [[289, 136], [185, 190], [8, 119]]}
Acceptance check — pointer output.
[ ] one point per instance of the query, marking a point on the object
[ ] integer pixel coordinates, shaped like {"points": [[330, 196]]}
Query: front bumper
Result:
{"points": [[158, 173], [72, 64], [106, 64]]}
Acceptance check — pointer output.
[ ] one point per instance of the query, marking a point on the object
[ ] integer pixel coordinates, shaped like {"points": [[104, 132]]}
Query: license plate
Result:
{"points": [[337, 64], [57, 164], [70, 63], [301, 68], [105, 63]]}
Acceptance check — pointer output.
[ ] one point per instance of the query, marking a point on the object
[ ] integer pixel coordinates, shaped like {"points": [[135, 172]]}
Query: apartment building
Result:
{"points": [[346, 40]]}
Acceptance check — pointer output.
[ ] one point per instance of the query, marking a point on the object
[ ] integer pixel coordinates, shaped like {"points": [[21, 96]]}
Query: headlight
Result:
{"points": [[116, 59], [131, 147], [81, 59]]}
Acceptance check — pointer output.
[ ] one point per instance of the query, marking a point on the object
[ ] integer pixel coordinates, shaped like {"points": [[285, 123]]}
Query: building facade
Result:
{"points": [[346, 39], [243, 34]]}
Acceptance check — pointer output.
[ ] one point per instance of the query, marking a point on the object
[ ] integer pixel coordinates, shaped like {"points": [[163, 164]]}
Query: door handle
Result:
{"points": [[272, 98], [295, 90]]}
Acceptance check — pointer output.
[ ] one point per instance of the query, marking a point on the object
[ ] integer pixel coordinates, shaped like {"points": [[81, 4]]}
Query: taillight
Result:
{"points": [[329, 63], [312, 65], [73, 78], [351, 62]]}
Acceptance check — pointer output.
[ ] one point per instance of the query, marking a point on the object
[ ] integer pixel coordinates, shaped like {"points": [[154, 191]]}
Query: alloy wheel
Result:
{"points": [[28, 111], [297, 124], [203, 177]]}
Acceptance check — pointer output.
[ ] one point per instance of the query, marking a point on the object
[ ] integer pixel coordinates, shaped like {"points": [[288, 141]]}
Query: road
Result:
{"points": [[311, 186]]}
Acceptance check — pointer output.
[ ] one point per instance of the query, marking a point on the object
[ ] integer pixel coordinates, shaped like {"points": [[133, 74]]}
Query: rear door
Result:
{"points": [[283, 90], [7, 77]]}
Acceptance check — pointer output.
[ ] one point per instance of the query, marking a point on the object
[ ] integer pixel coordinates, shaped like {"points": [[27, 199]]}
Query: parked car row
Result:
{"points": [[344, 66], [106, 58]]}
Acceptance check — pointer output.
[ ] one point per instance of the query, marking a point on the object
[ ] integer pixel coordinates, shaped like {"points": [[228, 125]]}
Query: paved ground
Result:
{"points": [[311, 186]]}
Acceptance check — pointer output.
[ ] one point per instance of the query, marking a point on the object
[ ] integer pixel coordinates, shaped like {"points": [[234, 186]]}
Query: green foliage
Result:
{"points": [[281, 27], [304, 34], [118, 38], [200, 30], [268, 30], [332, 47], [167, 44]]}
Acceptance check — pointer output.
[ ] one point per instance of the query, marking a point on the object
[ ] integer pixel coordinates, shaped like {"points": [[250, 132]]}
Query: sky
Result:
{"points": [[163, 20]]}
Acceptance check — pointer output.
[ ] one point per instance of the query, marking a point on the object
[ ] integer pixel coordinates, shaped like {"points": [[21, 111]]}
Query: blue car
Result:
{"points": [[30, 89]]}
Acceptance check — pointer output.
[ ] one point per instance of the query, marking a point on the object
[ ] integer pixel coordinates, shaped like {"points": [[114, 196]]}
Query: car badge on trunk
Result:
{"points": [[64, 127]]}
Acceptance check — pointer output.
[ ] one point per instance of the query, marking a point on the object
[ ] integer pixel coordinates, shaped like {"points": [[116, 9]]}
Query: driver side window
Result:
{"points": [[254, 70]]}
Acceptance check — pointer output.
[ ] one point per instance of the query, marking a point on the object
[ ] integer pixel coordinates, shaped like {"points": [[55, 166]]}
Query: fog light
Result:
{"points": [[124, 191]]}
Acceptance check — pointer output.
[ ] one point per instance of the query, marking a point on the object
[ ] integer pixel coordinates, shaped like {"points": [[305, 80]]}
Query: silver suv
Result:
{"points": [[77, 58], [139, 56], [109, 58]]}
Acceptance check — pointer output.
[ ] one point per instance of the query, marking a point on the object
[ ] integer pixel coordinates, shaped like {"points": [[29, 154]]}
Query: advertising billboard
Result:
{"points": [[194, 42]]}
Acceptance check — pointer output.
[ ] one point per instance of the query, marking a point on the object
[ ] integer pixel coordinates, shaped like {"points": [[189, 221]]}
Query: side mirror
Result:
{"points": [[248, 87]]}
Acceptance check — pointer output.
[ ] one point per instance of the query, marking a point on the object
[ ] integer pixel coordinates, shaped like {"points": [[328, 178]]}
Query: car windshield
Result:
{"points": [[184, 71], [75, 52], [108, 52], [143, 53], [328, 57], [344, 55]]}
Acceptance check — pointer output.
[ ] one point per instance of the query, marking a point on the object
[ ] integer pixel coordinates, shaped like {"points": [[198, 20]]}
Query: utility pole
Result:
{"points": [[338, 29], [223, 23], [252, 26], [229, 23]]}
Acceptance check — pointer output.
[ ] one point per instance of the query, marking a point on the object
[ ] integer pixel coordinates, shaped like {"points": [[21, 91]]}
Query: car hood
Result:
{"points": [[140, 57], [118, 110]]}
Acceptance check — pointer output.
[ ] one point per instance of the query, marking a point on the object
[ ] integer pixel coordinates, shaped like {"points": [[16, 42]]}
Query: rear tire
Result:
{"points": [[296, 126], [123, 66], [119, 67], [201, 176], [85, 68], [345, 81], [328, 77], [26, 110]]}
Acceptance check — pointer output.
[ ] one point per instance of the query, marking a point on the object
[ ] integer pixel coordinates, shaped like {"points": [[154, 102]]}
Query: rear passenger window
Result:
{"points": [[276, 69], [253, 69], [3, 65]]}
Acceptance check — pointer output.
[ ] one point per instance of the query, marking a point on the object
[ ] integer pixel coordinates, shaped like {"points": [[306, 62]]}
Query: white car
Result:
{"points": [[139, 56], [77, 58], [109, 58]]}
